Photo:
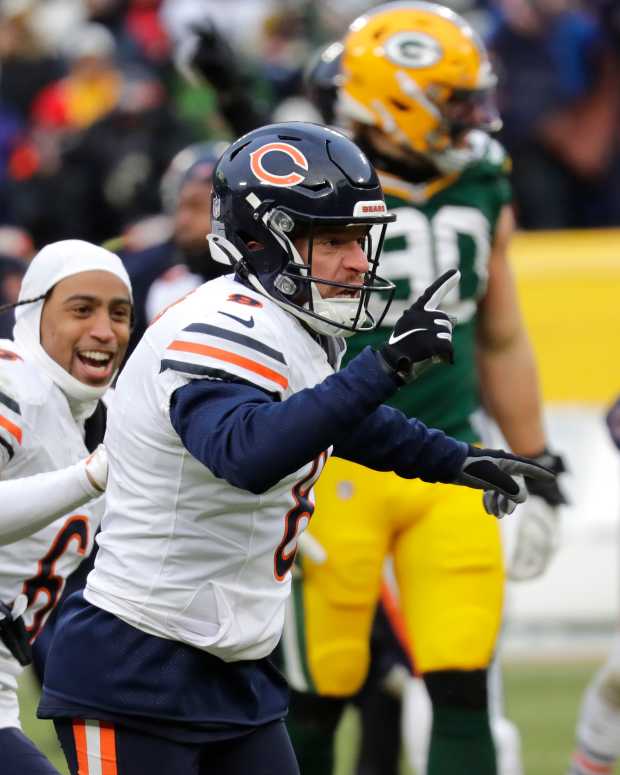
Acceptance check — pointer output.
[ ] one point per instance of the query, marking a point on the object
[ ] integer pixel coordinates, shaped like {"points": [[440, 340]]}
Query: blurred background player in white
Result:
{"points": [[72, 328], [416, 91], [598, 727], [222, 421], [179, 259], [186, 194]]}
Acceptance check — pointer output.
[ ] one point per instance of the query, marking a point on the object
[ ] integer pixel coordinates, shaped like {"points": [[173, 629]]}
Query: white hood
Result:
{"points": [[52, 264]]}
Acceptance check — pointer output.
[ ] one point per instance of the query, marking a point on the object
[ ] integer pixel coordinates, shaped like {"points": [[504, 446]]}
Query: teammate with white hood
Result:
{"points": [[72, 326]]}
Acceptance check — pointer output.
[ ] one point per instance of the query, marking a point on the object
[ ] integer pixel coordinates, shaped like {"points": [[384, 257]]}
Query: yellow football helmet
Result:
{"points": [[420, 73]]}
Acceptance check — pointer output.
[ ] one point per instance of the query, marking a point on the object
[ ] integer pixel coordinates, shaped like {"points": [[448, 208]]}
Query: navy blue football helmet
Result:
{"points": [[322, 79], [287, 181]]}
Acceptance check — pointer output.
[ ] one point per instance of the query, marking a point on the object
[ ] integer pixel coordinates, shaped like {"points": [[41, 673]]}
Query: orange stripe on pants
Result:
{"points": [[79, 736], [108, 749]]}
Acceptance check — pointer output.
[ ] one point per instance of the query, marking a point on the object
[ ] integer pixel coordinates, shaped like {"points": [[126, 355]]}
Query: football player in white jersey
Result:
{"points": [[597, 745], [71, 332], [222, 420]]}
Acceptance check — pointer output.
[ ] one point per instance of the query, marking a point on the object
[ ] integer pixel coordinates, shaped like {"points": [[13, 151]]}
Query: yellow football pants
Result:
{"points": [[448, 565]]}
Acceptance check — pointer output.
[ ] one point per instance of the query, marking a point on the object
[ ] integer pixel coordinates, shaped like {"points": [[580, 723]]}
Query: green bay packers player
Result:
{"points": [[417, 91]]}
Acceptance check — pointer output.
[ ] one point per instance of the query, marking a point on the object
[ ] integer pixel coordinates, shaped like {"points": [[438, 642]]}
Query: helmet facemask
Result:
{"points": [[346, 312], [296, 287], [464, 111]]}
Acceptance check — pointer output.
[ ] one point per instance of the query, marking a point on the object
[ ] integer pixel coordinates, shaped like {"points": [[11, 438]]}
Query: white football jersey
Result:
{"points": [[183, 554], [169, 287], [38, 433]]}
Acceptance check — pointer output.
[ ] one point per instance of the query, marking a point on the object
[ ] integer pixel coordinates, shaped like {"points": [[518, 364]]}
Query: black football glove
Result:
{"points": [[550, 492], [493, 470], [214, 58], [13, 631], [422, 335]]}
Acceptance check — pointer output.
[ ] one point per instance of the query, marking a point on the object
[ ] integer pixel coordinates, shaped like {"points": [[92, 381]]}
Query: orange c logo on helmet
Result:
{"points": [[292, 179]]}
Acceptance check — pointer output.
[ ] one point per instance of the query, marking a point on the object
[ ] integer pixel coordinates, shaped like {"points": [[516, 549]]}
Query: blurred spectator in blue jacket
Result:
{"points": [[560, 102], [16, 251], [11, 272]]}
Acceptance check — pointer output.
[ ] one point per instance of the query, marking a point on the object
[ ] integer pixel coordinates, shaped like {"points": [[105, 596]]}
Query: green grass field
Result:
{"points": [[542, 699]]}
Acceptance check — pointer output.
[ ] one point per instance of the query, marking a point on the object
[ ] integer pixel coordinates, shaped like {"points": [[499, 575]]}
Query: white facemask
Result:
{"points": [[52, 264], [338, 312]]}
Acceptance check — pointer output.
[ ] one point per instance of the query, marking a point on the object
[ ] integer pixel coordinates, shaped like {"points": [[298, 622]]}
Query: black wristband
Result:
{"points": [[550, 492], [395, 367]]}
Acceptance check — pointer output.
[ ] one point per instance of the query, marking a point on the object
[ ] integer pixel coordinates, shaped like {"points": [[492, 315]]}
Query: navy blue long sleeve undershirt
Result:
{"points": [[252, 440]]}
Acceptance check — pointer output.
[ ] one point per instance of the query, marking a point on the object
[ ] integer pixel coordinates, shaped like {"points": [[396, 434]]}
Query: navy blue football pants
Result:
{"points": [[20, 756], [98, 747]]}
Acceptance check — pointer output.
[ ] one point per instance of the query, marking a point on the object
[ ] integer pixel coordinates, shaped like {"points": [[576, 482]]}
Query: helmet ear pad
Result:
{"points": [[285, 285]]}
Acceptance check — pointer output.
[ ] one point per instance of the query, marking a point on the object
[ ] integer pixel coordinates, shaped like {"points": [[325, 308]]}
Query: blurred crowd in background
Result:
{"points": [[94, 105]]}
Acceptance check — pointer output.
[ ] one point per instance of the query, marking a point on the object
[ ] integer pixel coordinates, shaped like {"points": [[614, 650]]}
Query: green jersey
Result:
{"points": [[448, 223]]}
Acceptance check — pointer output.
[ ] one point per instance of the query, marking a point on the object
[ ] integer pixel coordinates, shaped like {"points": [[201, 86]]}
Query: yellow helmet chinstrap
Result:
{"points": [[402, 64]]}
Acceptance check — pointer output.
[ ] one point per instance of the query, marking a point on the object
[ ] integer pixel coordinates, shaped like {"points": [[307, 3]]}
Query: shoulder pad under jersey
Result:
{"points": [[236, 339]]}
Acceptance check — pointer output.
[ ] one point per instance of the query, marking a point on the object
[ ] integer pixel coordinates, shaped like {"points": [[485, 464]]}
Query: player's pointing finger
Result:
{"points": [[433, 295]]}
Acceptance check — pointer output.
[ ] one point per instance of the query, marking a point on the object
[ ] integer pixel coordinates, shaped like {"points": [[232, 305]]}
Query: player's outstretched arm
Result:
{"points": [[422, 337], [399, 447], [252, 439], [32, 502], [204, 54]]}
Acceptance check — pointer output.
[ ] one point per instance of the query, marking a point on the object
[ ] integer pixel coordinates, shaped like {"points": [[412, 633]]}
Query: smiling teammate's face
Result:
{"points": [[85, 325]]}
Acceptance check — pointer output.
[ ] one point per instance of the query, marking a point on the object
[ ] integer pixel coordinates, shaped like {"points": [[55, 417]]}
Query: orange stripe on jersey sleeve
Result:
{"points": [[228, 357], [107, 741], [13, 429], [79, 737]]}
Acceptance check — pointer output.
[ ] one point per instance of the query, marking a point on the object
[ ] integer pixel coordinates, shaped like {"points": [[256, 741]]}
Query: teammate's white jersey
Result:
{"points": [[183, 554], [37, 433], [169, 287]]}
